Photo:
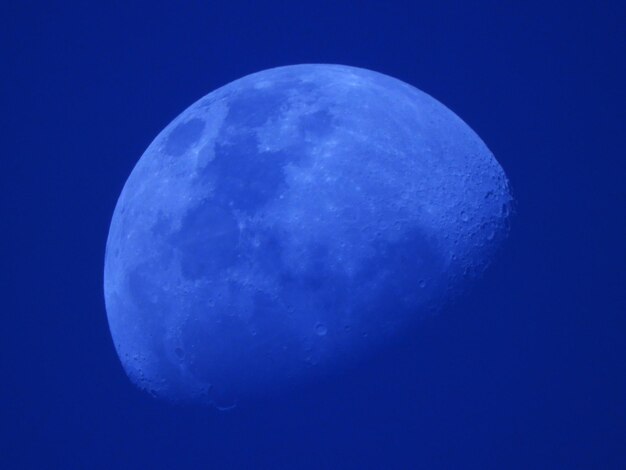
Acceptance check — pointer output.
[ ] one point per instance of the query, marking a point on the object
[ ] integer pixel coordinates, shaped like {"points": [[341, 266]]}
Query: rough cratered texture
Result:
{"points": [[287, 223]]}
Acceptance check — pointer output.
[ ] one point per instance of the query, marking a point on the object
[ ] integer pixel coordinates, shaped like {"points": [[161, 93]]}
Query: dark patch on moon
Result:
{"points": [[245, 179], [207, 356], [254, 107], [268, 249], [317, 124], [140, 292], [183, 136], [207, 240], [162, 226], [414, 265]]}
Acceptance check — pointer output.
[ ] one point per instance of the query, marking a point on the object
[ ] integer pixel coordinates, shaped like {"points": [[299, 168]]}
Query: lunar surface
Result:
{"points": [[290, 223]]}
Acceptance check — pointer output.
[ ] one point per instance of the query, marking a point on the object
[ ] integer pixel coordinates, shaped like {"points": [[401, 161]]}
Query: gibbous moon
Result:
{"points": [[290, 223]]}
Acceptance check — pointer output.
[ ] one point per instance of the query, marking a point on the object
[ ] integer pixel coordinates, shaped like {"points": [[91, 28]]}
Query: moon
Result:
{"points": [[289, 224]]}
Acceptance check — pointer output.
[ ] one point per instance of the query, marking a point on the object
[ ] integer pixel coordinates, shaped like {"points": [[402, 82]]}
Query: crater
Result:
{"points": [[320, 329]]}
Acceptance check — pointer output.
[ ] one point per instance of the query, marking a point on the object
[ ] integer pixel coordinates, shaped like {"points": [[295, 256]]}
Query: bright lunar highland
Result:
{"points": [[290, 223]]}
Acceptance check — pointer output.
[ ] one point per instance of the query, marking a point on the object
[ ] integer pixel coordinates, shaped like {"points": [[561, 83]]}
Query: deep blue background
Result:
{"points": [[526, 371]]}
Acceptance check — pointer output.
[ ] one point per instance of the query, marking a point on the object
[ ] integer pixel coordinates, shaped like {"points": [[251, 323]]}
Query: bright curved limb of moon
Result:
{"points": [[289, 223]]}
